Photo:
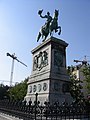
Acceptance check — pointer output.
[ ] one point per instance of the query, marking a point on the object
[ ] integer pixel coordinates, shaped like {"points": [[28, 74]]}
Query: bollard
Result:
{"points": [[36, 95]]}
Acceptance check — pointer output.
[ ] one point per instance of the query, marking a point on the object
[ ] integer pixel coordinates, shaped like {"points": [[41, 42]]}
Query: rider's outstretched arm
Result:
{"points": [[43, 16], [40, 13]]}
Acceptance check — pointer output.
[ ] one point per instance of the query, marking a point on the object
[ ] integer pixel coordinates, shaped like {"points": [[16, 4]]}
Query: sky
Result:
{"points": [[20, 24]]}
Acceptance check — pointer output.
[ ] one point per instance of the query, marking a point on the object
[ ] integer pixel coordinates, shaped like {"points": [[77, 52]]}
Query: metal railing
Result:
{"points": [[35, 111]]}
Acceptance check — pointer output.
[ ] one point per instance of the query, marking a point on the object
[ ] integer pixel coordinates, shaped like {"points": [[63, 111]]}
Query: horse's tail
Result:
{"points": [[39, 35]]}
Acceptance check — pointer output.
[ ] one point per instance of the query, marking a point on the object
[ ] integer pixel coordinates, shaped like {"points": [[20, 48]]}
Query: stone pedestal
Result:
{"points": [[48, 77]]}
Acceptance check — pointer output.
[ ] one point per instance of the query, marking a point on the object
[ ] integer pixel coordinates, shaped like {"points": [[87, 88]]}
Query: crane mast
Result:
{"points": [[84, 62], [12, 67]]}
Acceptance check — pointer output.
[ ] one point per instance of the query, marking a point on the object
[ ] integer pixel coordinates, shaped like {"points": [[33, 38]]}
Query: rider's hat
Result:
{"points": [[48, 13]]}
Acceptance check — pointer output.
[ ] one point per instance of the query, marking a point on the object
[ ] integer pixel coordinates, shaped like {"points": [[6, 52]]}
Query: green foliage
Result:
{"points": [[3, 91], [19, 91], [86, 72], [75, 87]]}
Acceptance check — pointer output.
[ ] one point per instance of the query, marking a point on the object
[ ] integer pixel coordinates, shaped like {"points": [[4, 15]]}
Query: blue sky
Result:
{"points": [[20, 24]]}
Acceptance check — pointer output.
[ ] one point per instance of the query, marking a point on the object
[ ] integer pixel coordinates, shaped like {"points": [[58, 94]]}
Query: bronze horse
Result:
{"points": [[54, 24], [49, 27]]}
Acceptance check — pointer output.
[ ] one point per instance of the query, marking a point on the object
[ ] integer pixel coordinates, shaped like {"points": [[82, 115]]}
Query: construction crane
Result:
{"points": [[12, 68], [84, 62]]}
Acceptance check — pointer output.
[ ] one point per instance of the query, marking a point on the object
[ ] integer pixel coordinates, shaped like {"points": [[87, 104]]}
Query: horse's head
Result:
{"points": [[54, 24], [56, 13]]}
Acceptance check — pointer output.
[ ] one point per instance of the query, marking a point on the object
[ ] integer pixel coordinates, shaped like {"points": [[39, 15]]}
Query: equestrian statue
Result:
{"points": [[51, 25]]}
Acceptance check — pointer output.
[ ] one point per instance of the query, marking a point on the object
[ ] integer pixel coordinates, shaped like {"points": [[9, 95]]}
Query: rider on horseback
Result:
{"points": [[49, 18], [50, 25]]}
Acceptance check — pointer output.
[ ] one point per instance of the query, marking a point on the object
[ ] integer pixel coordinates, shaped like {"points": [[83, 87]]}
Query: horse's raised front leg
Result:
{"points": [[39, 35]]}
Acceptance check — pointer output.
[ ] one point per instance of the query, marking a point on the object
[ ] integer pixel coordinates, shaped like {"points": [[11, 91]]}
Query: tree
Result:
{"points": [[86, 72], [3, 91], [75, 86], [19, 91]]}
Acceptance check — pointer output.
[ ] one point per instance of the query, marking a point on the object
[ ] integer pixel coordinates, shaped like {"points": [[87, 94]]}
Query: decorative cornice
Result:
{"points": [[48, 41]]}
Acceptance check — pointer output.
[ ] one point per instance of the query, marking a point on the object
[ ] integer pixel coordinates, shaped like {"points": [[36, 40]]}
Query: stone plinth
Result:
{"points": [[48, 77]]}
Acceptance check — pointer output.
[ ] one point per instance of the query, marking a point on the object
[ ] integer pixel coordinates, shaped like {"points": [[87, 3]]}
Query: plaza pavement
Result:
{"points": [[8, 117]]}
